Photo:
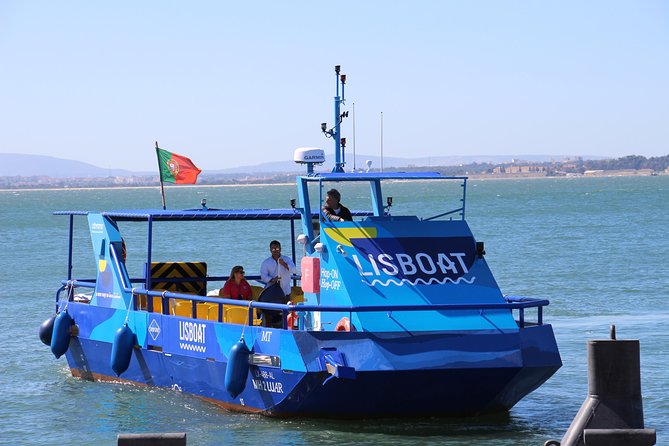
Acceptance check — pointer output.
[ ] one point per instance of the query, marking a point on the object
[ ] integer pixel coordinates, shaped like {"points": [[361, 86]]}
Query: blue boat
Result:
{"points": [[390, 314]]}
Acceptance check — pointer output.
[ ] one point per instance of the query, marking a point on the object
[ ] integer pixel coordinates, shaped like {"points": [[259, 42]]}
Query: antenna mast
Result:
{"points": [[381, 141], [335, 132], [354, 137]]}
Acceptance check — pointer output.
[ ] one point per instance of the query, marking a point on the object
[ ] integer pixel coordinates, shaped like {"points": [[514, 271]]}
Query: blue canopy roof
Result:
{"points": [[202, 214], [370, 176]]}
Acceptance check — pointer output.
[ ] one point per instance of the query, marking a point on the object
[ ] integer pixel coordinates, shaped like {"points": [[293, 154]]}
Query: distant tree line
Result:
{"points": [[464, 169], [658, 163]]}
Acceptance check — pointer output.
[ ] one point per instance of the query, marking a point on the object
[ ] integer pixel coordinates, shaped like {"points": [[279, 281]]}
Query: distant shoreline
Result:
{"points": [[532, 177], [476, 177], [190, 186]]}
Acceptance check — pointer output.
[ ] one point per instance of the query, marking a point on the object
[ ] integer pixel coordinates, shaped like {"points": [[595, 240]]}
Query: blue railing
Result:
{"points": [[512, 303]]}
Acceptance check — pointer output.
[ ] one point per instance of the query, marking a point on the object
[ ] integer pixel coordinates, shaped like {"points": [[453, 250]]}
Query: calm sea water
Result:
{"points": [[597, 248]]}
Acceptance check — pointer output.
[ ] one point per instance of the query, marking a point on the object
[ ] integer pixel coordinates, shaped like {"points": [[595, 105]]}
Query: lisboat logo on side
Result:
{"points": [[192, 336], [413, 261]]}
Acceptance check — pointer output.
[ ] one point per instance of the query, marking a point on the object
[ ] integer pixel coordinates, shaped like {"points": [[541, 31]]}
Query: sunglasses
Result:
{"points": [[240, 272]]}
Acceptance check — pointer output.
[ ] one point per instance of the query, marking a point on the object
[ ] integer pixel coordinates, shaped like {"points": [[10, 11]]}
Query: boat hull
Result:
{"points": [[382, 375]]}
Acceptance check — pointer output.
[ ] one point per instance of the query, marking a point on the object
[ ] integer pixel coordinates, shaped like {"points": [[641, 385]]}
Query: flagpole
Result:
{"points": [[160, 175]]}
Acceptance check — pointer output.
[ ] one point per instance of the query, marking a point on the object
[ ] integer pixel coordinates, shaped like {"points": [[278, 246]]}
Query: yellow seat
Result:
{"points": [[238, 315], [181, 307], [157, 304], [255, 291], [212, 312], [296, 294], [206, 309]]}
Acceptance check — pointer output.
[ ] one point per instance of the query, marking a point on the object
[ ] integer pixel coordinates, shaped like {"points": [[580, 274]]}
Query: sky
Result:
{"points": [[239, 83]]}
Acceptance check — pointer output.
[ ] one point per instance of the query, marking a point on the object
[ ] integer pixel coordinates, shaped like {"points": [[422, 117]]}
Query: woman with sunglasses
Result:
{"points": [[236, 287]]}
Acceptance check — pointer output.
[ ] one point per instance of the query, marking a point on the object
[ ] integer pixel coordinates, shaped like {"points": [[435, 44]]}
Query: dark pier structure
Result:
{"points": [[612, 413]]}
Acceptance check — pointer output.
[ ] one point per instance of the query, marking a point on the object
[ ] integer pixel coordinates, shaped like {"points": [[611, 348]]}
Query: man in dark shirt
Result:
{"points": [[333, 210]]}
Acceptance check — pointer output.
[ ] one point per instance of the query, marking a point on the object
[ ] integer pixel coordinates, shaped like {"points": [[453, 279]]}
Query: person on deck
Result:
{"points": [[236, 287], [277, 268], [333, 209]]}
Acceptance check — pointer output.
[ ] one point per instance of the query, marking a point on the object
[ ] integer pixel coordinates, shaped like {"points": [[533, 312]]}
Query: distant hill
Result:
{"points": [[12, 164]]}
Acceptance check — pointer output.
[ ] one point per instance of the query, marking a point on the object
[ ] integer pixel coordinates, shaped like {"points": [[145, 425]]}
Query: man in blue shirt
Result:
{"points": [[277, 268]]}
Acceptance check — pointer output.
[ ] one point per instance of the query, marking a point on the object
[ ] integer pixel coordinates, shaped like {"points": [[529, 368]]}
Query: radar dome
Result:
{"points": [[305, 155]]}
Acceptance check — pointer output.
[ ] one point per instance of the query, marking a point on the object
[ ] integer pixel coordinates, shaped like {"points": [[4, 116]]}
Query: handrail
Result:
{"points": [[193, 279], [460, 210], [512, 302]]}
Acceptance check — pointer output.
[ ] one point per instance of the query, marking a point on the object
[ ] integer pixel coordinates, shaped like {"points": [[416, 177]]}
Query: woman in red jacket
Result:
{"points": [[236, 287]]}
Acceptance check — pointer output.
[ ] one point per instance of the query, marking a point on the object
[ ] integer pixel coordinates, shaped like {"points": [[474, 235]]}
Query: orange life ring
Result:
{"points": [[291, 320], [344, 324]]}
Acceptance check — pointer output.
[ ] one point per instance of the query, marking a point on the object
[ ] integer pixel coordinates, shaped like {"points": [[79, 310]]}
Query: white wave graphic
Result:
{"points": [[420, 281], [193, 347]]}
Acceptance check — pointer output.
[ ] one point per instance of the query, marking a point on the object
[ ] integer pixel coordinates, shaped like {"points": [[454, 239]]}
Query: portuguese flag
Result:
{"points": [[176, 168]]}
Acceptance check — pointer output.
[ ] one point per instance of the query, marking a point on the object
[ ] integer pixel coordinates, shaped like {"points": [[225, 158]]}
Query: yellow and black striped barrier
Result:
{"points": [[186, 273]]}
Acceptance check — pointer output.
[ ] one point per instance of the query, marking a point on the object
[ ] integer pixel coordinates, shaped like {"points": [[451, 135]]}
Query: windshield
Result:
{"points": [[406, 197]]}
